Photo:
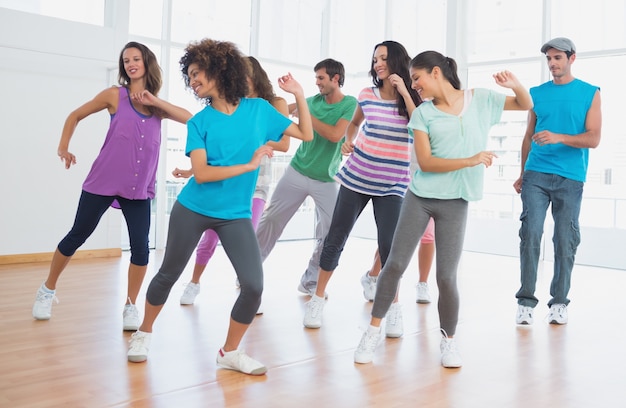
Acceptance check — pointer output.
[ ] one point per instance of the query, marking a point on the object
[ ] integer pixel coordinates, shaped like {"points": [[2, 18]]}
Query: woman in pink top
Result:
{"points": [[123, 175]]}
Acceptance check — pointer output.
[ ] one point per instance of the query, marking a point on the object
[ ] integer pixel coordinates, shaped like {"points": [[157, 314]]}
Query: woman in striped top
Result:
{"points": [[377, 168]]}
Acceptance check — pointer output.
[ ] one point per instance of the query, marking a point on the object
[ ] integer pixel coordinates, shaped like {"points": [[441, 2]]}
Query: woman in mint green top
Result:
{"points": [[450, 135]]}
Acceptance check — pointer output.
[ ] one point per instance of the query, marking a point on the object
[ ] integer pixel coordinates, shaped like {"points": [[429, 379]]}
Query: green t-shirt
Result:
{"points": [[319, 159]]}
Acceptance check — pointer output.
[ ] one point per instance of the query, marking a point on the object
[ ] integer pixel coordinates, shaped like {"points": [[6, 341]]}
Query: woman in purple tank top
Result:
{"points": [[123, 175]]}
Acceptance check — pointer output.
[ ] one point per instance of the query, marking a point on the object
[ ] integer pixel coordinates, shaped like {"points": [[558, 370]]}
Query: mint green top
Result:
{"points": [[454, 137], [320, 158]]}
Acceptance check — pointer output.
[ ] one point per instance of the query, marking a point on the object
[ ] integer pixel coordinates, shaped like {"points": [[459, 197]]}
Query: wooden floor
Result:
{"points": [[78, 358]]}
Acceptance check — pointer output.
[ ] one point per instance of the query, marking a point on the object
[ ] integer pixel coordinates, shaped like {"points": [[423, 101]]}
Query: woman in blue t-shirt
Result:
{"points": [[226, 142], [450, 132]]}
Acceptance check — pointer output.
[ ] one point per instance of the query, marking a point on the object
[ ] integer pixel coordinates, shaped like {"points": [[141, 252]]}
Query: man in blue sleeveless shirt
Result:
{"points": [[564, 123]]}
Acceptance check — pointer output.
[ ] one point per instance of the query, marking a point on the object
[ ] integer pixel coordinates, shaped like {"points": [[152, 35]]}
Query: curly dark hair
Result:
{"points": [[153, 76], [221, 61], [397, 63]]}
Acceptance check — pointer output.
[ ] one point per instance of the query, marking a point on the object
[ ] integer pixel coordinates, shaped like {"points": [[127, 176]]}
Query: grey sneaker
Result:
{"points": [[139, 346], [423, 296], [190, 293], [394, 325], [369, 286], [364, 353], [131, 317], [524, 315], [558, 314], [42, 308], [314, 309], [238, 360]]}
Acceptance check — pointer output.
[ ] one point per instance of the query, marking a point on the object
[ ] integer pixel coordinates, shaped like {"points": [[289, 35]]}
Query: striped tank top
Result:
{"points": [[379, 164]]}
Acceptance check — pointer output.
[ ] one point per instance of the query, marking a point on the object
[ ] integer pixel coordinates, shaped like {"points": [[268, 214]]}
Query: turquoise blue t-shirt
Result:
{"points": [[561, 109], [230, 140], [454, 137]]}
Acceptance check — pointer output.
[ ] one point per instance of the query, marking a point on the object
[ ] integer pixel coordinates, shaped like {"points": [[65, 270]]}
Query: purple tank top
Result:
{"points": [[127, 163]]}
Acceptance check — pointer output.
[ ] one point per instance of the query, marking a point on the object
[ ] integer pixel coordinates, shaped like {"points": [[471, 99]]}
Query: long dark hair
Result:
{"points": [[260, 81], [153, 77], [428, 60], [397, 63]]}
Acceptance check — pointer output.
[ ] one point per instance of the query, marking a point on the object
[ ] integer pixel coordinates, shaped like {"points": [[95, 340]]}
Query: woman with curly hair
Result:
{"points": [[260, 86], [226, 142]]}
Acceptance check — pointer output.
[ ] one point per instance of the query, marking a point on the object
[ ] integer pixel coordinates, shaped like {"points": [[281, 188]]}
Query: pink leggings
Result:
{"points": [[208, 243], [429, 234]]}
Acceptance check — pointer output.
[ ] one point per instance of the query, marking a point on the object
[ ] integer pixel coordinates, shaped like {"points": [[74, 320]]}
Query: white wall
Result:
{"points": [[42, 80]]}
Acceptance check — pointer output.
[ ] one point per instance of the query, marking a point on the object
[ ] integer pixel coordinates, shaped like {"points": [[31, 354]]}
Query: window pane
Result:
{"points": [[90, 12], [291, 31], [419, 25], [354, 31], [503, 29], [597, 25], [146, 18], [194, 20]]}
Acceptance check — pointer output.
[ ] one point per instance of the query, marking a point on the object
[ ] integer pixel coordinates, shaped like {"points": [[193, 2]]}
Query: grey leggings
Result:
{"points": [[450, 218], [238, 240]]}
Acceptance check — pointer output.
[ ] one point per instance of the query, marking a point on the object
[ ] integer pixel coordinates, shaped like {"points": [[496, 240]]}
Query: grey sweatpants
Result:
{"points": [[291, 191], [239, 243], [450, 218]]}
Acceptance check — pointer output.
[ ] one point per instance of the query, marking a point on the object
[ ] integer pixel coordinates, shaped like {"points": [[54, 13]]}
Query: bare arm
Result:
{"points": [[106, 99], [522, 99], [303, 130], [205, 173], [430, 163], [333, 133], [352, 131], [168, 110], [283, 144]]}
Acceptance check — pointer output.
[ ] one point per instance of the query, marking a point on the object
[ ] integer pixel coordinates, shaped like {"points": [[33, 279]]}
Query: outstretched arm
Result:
{"points": [[169, 111], [304, 129], [522, 99]]}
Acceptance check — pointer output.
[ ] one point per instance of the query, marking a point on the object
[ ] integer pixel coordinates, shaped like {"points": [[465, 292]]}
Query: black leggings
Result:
{"points": [[91, 208], [348, 208], [241, 246]]}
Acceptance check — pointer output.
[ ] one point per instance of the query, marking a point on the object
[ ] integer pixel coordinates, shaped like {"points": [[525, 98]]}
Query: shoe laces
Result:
{"points": [[47, 298], [448, 345], [137, 341], [394, 315], [314, 306], [369, 341], [130, 310]]}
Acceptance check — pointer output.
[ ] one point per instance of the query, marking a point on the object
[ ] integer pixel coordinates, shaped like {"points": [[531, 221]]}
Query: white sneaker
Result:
{"points": [[42, 308], [365, 351], [558, 314], [238, 360], [131, 317], [394, 325], [313, 312], [524, 315], [369, 286], [423, 296], [450, 356], [190, 293], [139, 345]]}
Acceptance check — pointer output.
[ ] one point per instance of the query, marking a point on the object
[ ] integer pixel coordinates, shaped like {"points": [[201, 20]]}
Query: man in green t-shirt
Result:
{"points": [[312, 169]]}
